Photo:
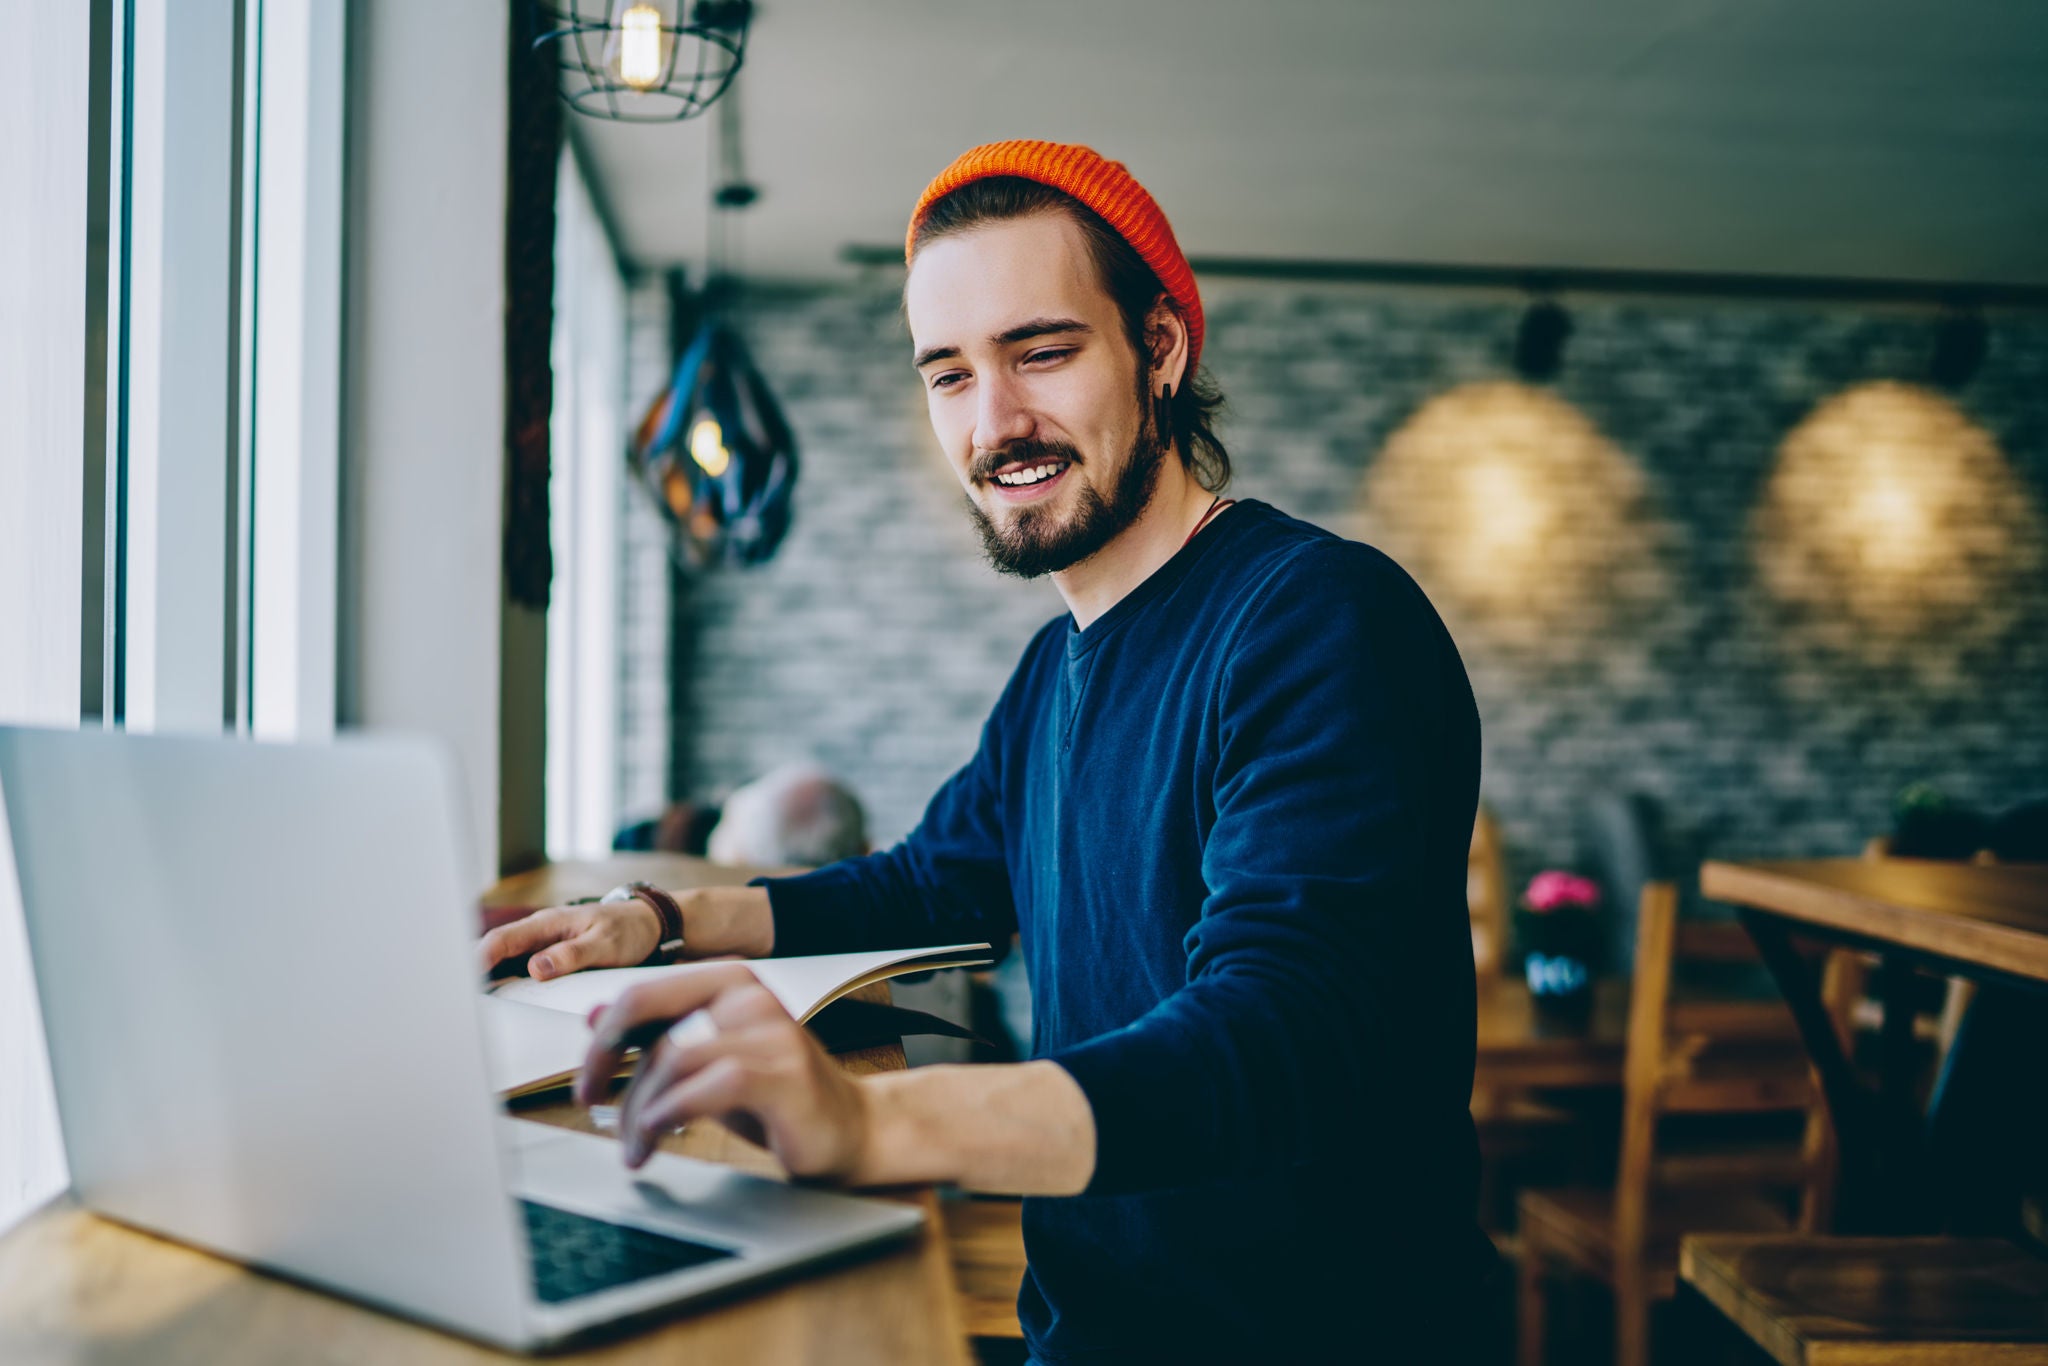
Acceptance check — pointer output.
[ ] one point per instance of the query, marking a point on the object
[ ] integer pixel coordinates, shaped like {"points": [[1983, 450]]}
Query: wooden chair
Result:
{"points": [[1486, 896], [1511, 1125], [1685, 1058]]}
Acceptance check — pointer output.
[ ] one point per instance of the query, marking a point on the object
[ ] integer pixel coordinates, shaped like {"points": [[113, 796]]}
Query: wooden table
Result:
{"points": [[1518, 1050], [77, 1289], [1988, 923], [1810, 1301]]}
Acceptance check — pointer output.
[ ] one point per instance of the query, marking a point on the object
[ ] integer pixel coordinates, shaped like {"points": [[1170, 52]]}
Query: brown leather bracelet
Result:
{"points": [[670, 912]]}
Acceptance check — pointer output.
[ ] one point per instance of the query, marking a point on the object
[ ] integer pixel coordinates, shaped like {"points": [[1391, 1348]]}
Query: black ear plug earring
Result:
{"points": [[1163, 412]]}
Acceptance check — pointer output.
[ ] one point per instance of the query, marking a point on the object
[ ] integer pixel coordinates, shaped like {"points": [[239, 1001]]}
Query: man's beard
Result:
{"points": [[1035, 542]]}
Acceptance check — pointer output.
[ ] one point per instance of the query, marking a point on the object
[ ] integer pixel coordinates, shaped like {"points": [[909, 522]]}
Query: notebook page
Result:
{"points": [[802, 984]]}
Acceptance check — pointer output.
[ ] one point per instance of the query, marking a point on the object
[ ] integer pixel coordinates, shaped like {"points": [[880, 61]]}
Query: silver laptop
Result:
{"points": [[257, 974]]}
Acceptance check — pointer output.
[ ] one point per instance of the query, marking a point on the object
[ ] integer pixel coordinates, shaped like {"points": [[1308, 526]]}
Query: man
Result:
{"points": [[1226, 801]]}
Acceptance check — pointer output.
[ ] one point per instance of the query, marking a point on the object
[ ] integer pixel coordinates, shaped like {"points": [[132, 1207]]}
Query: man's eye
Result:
{"points": [[1059, 353], [945, 381]]}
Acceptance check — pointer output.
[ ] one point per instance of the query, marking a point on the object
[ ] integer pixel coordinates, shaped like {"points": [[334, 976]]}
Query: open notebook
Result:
{"points": [[535, 1033]]}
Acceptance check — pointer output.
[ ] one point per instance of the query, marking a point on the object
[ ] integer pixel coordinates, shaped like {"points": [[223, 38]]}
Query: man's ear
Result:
{"points": [[1166, 345]]}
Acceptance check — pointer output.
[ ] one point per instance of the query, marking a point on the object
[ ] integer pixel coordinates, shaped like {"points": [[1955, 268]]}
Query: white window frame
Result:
{"points": [[181, 381], [586, 446], [296, 410]]}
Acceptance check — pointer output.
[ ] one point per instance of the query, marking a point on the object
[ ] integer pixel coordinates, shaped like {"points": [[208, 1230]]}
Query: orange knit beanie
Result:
{"points": [[1104, 186]]}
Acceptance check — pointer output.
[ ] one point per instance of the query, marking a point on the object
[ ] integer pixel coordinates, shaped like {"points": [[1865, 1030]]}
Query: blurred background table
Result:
{"points": [[1964, 1162], [1518, 1047]]}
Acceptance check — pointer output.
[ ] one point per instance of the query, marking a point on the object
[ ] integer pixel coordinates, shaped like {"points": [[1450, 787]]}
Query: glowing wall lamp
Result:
{"points": [[1517, 515], [1889, 502]]}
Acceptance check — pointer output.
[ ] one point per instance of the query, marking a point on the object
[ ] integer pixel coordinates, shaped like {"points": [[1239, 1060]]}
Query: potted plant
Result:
{"points": [[1557, 929]]}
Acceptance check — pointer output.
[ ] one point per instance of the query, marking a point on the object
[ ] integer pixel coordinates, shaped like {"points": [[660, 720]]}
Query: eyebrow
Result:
{"points": [[1037, 327]]}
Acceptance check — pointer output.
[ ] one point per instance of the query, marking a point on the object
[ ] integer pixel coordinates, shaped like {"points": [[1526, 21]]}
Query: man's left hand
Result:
{"points": [[761, 1074]]}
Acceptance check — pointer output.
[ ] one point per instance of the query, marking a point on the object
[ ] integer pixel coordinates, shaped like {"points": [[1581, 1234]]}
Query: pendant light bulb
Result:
{"points": [[640, 39], [643, 61], [707, 447]]}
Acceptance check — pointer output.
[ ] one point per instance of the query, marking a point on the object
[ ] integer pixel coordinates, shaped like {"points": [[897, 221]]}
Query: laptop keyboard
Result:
{"points": [[574, 1255]]}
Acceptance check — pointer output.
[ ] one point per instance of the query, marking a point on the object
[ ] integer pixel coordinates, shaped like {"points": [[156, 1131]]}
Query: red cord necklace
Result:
{"points": [[1214, 508]]}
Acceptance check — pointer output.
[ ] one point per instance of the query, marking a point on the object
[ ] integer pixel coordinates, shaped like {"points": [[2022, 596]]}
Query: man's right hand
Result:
{"points": [[561, 939], [718, 922]]}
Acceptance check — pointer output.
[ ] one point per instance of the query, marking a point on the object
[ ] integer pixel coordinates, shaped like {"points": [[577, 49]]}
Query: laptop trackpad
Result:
{"points": [[693, 1199]]}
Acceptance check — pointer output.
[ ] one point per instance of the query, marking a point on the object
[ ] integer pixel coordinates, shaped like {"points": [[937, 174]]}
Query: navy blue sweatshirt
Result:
{"points": [[1230, 821]]}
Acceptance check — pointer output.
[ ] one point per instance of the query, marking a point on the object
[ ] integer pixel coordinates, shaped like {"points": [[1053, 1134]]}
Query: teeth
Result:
{"points": [[1030, 476]]}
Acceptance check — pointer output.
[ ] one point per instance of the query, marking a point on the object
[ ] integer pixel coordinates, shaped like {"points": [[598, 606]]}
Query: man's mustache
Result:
{"points": [[1031, 452]]}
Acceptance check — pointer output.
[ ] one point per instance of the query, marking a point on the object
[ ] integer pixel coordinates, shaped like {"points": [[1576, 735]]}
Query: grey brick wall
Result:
{"points": [[876, 640], [1639, 567]]}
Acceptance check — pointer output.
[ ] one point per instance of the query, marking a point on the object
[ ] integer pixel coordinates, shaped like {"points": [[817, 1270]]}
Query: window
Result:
{"points": [[587, 437], [168, 405]]}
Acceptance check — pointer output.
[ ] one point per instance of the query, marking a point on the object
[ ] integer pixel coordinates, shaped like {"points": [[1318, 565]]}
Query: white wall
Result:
{"points": [[423, 408], [43, 106]]}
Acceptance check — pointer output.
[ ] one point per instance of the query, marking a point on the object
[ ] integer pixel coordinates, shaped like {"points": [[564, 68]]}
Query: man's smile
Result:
{"points": [[1029, 483]]}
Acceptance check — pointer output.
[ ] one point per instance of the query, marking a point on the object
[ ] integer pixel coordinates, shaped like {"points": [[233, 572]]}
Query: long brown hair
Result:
{"points": [[1190, 415]]}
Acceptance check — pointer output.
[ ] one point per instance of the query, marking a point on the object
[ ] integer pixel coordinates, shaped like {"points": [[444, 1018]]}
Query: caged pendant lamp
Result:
{"points": [[646, 61]]}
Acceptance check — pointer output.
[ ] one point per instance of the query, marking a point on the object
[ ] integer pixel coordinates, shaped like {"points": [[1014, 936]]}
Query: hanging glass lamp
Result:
{"points": [[647, 61], [717, 454]]}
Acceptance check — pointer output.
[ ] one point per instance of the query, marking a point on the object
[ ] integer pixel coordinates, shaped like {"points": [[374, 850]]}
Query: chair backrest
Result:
{"points": [[1625, 844], [1486, 896], [1709, 1056]]}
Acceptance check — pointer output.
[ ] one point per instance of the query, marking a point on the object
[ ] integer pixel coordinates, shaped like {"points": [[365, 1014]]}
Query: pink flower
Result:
{"points": [[1554, 890]]}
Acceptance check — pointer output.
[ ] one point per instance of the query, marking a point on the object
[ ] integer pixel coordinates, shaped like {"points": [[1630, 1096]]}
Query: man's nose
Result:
{"points": [[1000, 416]]}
